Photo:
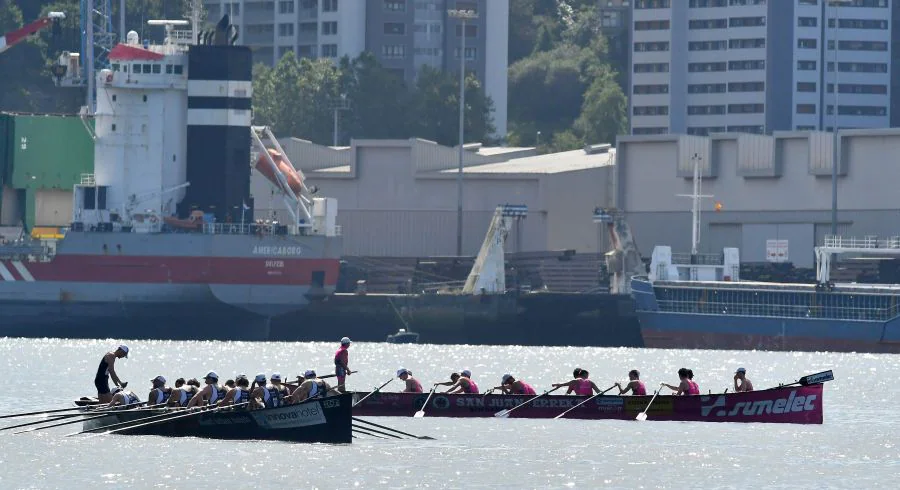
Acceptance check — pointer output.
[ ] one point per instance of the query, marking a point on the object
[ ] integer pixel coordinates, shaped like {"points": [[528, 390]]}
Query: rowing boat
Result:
{"points": [[325, 420], [786, 404]]}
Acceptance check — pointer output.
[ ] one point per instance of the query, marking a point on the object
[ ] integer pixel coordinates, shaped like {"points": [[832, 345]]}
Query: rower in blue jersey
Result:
{"points": [[159, 394], [210, 394], [183, 392], [239, 394], [272, 395], [311, 387]]}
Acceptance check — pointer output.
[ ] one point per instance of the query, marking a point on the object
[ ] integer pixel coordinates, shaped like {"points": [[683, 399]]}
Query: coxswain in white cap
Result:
{"points": [[341, 364], [107, 370], [210, 394], [412, 384], [311, 387], [741, 382]]}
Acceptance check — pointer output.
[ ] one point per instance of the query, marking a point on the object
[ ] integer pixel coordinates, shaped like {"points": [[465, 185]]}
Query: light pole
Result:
{"points": [[835, 144], [462, 16], [339, 104]]}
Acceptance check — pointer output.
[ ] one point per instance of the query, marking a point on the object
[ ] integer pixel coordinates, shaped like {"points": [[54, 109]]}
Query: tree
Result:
{"points": [[436, 108], [605, 112], [379, 99]]}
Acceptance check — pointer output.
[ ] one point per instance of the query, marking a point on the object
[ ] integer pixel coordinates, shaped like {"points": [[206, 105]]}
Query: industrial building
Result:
{"points": [[710, 66], [403, 34], [765, 188], [398, 198], [41, 158]]}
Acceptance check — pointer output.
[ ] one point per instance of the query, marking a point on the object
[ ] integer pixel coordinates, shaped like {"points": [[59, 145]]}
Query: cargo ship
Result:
{"points": [[698, 301], [162, 241]]}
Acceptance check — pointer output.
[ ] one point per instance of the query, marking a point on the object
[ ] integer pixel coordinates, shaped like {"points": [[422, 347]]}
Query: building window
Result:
{"points": [[471, 31], [467, 5], [707, 24], [329, 28], [858, 88], [329, 5], [395, 5], [806, 65], [707, 3], [807, 22], [703, 46], [651, 25], [179, 69], [807, 43], [307, 51], [747, 43], [806, 108], [745, 108], [746, 129], [651, 130], [859, 110], [428, 52], [309, 4], [860, 23], [651, 67], [283, 50], [157, 69], [308, 28], [747, 87], [286, 7], [650, 110], [650, 89], [805, 127], [329, 50], [394, 51], [747, 65], [701, 67], [706, 88], [746, 2], [859, 67], [705, 110], [610, 19], [285, 30], [652, 46], [395, 28], [651, 4], [471, 54], [859, 45], [806, 86], [705, 131], [746, 21]]}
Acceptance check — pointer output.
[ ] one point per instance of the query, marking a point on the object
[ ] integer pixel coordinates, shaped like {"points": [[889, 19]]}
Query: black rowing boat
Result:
{"points": [[326, 420]]}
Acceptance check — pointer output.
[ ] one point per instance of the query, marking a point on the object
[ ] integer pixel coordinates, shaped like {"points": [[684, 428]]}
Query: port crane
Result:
{"points": [[12, 38]]}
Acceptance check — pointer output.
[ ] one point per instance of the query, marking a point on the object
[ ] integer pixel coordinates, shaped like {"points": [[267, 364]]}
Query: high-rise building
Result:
{"points": [[403, 34], [704, 66]]}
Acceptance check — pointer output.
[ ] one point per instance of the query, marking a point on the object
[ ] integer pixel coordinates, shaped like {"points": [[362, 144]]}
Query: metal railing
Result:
{"points": [[870, 241], [699, 259]]}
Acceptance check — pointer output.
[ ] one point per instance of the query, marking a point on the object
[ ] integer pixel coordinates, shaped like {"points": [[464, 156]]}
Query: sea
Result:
{"points": [[858, 446]]}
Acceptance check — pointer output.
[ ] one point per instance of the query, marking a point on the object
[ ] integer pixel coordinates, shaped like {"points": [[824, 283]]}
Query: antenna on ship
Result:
{"points": [[695, 208], [195, 14]]}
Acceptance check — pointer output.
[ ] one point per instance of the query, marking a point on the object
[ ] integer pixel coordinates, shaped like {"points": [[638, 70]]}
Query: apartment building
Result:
{"points": [[403, 34], [615, 25], [757, 66]]}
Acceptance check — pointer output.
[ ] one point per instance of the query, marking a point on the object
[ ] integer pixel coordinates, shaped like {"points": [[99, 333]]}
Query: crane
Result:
{"points": [[12, 38]]}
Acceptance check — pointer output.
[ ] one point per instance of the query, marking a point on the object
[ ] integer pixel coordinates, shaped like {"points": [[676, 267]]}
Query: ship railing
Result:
{"points": [[444, 286], [779, 310], [699, 259], [248, 229], [88, 180], [871, 241]]}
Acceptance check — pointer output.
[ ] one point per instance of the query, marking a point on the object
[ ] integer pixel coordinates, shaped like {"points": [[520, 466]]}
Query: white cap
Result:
{"points": [[161, 379], [276, 377], [466, 373], [260, 378], [402, 371], [345, 340], [506, 377], [124, 348], [309, 374], [211, 374]]}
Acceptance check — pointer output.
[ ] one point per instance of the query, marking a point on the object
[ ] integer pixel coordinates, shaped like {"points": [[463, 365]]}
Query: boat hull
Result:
{"points": [[324, 420], [792, 405]]}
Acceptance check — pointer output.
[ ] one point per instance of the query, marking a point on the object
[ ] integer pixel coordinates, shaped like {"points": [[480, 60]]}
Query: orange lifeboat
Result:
{"points": [[290, 174], [194, 221]]}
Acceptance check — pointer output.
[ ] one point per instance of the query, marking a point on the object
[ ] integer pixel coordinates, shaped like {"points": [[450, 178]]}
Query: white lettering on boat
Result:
{"points": [[275, 264], [272, 250], [290, 417], [791, 404]]}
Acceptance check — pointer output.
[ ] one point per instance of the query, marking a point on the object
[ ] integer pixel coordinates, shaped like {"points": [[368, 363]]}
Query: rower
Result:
{"points": [[107, 370], [462, 384], [240, 393], [210, 394], [580, 385], [121, 398], [511, 386], [257, 392], [311, 387], [229, 385], [183, 392], [687, 385], [635, 385], [412, 384], [159, 394], [741, 376], [341, 364], [273, 395]]}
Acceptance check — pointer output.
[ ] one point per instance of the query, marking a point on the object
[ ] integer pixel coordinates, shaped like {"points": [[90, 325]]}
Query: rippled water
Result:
{"points": [[856, 447]]}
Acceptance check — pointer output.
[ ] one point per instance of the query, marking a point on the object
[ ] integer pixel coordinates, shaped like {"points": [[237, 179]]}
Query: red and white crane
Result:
{"points": [[12, 38]]}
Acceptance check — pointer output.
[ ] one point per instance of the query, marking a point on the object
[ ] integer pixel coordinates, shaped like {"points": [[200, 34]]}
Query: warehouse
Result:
{"points": [[766, 188], [399, 197]]}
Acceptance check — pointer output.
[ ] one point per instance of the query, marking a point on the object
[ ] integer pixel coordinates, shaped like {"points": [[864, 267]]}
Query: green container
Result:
{"points": [[49, 152]]}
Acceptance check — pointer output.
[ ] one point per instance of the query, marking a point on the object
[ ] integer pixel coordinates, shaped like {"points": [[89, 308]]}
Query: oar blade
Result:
{"points": [[641, 417], [502, 414], [419, 414]]}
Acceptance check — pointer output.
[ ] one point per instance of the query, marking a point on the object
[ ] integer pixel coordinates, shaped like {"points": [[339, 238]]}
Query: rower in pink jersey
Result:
{"points": [[412, 384], [687, 386], [511, 386], [635, 385], [461, 383], [580, 385]]}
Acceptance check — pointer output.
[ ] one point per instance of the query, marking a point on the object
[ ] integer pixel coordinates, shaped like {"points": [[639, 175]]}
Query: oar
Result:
{"points": [[421, 412], [583, 402], [104, 413], [41, 412], [356, 427], [55, 419], [357, 419], [144, 422], [505, 413], [63, 423], [361, 431], [300, 378], [643, 415], [373, 392]]}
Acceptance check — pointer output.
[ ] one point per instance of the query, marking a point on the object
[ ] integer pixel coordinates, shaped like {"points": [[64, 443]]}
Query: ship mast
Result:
{"points": [[695, 205]]}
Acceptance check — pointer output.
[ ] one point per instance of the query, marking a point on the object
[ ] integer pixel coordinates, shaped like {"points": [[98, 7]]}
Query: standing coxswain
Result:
{"points": [[412, 384], [635, 385], [512, 386], [342, 364], [106, 370]]}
